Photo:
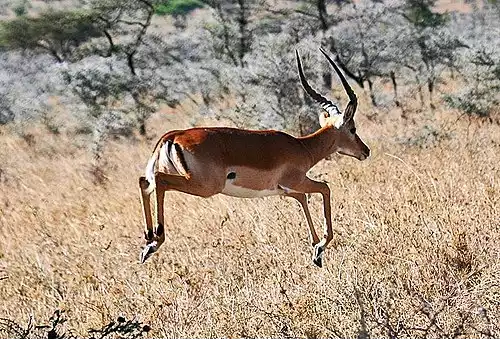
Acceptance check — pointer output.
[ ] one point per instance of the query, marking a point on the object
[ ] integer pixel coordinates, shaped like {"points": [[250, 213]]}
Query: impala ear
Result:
{"points": [[349, 111]]}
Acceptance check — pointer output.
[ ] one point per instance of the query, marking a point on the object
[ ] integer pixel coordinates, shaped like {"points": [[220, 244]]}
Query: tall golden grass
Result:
{"points": [[415, 253]]}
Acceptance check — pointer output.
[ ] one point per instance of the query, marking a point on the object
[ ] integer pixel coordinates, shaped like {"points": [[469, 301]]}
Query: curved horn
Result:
{"points": [[326, 104], [348, 89]]}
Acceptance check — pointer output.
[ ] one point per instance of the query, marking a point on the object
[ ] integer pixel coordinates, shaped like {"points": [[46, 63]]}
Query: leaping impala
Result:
{"points": [[249, 164]]}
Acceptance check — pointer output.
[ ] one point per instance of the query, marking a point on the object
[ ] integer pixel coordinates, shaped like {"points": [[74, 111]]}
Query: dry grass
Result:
{"points": [[416, 251]]}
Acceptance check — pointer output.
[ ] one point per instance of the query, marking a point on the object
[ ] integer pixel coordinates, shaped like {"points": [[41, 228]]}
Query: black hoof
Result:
{"points": [[318, 256], [147, 252]]}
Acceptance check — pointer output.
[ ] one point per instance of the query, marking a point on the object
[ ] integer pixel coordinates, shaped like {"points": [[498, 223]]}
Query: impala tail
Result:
{"points": [[167, 155], [150, 173]]}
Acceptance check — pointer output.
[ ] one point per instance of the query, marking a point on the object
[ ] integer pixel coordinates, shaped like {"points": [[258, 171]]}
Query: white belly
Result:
{"points": [[242, 192]]}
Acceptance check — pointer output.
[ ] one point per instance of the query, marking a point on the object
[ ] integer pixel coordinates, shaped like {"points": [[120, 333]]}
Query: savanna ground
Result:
{"points": [[415, 254]]}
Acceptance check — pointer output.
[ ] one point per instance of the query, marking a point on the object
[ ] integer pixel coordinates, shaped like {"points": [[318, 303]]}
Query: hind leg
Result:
{"points": [[159, 232], [156, 238], [166, 182], [146, 208]]}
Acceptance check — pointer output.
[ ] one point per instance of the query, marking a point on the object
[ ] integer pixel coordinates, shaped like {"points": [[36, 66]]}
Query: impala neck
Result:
{"points": [[321, 143]]}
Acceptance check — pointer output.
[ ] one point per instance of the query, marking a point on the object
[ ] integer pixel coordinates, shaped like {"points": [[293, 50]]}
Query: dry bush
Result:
{"points": [[415, 252], [55, 329]]}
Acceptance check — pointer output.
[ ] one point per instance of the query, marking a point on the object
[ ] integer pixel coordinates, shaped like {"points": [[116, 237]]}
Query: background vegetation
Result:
{"points": [[87, 87]]}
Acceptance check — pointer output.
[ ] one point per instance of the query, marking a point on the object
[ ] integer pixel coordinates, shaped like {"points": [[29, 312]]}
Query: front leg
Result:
{"points": [[328, 232], [311, 186], [146, 191], [302, 199]]}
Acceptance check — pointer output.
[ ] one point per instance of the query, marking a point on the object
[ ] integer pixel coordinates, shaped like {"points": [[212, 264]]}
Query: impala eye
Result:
{"points": [[353, 130]]}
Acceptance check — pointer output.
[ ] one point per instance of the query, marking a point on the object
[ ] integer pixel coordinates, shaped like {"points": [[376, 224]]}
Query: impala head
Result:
{"points": [[347, 142]]}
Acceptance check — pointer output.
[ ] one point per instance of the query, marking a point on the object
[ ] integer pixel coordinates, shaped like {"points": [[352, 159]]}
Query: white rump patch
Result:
{"points": [[171, 158], [150, 170], [176, 159]]}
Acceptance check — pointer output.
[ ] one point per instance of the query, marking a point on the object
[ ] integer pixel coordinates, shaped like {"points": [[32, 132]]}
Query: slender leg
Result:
{"points": [[166, 182], [160, 230], [158, 236], [302, 199], [327, 233], [146, 209], [311, 186]]}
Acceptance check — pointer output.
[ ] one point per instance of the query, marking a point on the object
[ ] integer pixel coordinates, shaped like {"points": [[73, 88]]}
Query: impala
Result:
{"points": [[249, 164]]}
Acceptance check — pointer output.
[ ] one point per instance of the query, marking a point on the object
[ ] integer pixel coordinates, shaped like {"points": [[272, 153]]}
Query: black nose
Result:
{"points": [[366, 153]]}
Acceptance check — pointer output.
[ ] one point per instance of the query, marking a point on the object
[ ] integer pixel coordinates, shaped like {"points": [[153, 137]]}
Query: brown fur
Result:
{"points": [[264, 162]]}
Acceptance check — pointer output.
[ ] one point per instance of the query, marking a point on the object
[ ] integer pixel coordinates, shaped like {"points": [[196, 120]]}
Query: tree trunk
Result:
{"points": [[395, 89], [244, 34], [430, 87], [372, 95], [420, 93], [322, 14], [142, 127], [327, 79]]}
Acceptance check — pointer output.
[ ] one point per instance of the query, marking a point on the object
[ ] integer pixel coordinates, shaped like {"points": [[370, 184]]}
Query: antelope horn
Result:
{"points": [[326, 104], [347, 88]]}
